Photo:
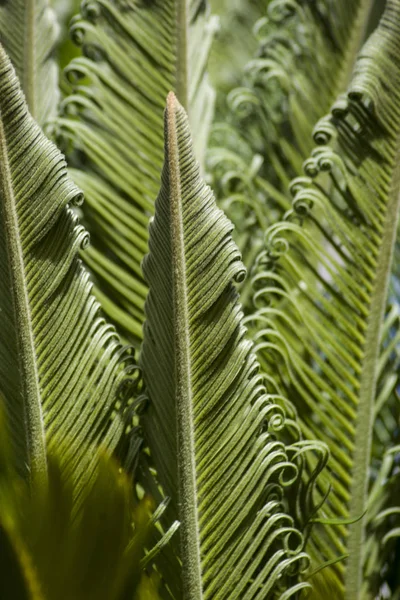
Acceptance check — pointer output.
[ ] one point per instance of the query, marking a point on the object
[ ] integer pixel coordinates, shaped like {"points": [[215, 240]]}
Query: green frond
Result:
{"points": [[28, 32], [306, 51], [133, 53], [51, 553], [305, 57], [61, 364], [211, 428], [322, 286]]}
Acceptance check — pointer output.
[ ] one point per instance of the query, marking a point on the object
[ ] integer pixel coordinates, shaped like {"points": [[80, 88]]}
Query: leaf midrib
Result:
{"points": [[31, 397], [190, 538]]}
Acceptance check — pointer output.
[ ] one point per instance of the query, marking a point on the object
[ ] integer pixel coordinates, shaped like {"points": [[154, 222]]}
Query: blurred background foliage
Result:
{"points": [[67, 50], [234, 45]]}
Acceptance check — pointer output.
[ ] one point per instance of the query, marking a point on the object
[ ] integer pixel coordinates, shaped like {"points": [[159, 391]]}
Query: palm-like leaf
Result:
{"points": [[134, 53], [325, 274], [286, 89], [28, 32], [210, 424], [304, 60], [60, 363]]}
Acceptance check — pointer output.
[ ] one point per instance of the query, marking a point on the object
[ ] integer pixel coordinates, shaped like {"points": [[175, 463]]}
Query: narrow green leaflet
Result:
{"points": [[61, 364], [306, 51], [134, 53], [210, 424], [28, 32], [322, 286]]}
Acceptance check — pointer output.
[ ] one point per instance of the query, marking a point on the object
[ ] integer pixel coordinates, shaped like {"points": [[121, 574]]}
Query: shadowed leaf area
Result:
{"points": [[50, 551]]}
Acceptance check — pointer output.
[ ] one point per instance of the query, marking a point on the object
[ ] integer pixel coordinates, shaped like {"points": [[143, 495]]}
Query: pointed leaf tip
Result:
{"points": [[171, 100]]}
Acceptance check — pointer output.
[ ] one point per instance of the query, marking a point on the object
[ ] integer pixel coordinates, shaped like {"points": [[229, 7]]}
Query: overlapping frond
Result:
{"points": [[134, 52], [48, 552], [306, 53], [210, 425], [61, 364], [304, 60], [28, 32], [323, 280]]}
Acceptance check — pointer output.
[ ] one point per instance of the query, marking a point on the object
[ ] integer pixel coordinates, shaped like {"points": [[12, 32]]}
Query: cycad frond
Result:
{"points": [[134, 52], [323, 281], [210, 423], [28, 32], [305, 56], [61, 364]]}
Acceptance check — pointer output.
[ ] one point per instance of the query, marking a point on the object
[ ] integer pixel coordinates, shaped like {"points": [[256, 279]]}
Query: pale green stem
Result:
{"points": [[188, 511]]}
